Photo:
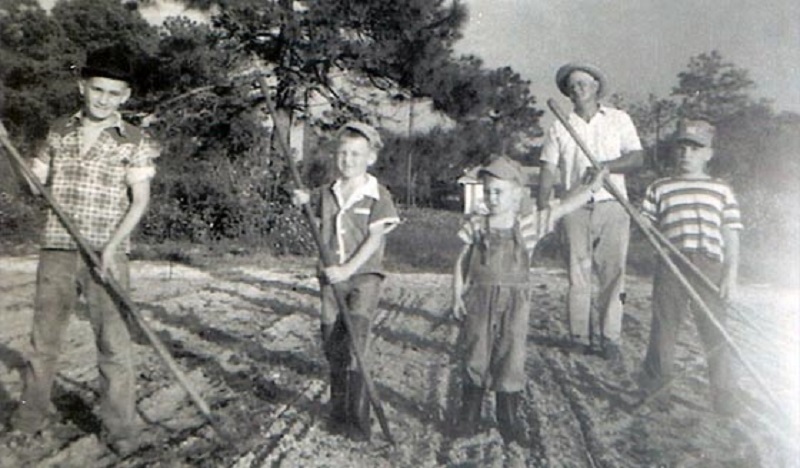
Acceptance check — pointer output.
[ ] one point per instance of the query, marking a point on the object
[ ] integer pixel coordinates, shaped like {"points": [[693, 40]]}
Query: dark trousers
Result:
{"points": [[361, 294]]}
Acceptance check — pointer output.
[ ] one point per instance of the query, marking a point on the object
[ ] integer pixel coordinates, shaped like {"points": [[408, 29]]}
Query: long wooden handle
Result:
{"points": [[327, 260]]}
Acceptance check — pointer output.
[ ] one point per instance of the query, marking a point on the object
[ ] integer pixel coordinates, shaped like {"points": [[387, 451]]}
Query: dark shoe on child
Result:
{"points": [[124, 447], [580, 349], [338, 400], [468, 420], [612, 353], [511, 425], [358, 408]]}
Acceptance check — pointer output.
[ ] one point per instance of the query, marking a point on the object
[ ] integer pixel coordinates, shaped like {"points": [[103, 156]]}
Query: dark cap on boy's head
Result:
{"points": [[365, 130], [108, 62], [699, 132], [502, 167]]}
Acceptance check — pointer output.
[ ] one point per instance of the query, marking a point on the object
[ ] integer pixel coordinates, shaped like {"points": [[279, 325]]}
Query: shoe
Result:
{"points": [[580, 349], [358, 408], [612, 353], [469, 418], [509, 422], [338, 400], [124, 447]]}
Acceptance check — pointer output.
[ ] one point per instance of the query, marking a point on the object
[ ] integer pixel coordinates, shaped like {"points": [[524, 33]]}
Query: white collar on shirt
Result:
{"points": [[602, 110], [367, 189]]}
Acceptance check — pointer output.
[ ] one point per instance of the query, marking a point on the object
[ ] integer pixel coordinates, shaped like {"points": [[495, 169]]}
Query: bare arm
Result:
{"points": [[140, 198], [730, 275], [628, 162], [547, 179], [459, 311]]}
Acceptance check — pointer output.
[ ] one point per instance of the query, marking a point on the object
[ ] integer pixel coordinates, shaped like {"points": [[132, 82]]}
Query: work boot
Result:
{"points": [[338, 401], [358, 407], [469, 418], [509, 422]]}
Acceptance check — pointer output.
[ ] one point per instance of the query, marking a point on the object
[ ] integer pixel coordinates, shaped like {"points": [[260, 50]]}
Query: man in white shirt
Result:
{"points": [[597, 234]]}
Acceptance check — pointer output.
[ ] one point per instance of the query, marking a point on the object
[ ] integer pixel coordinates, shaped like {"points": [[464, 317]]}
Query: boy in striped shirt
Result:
{"points": [[700, 216], [490, 292]]}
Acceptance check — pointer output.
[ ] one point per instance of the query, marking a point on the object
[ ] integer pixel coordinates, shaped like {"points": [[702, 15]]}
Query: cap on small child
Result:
{"points": [[699, 132], [502, 167], [366, 130]]}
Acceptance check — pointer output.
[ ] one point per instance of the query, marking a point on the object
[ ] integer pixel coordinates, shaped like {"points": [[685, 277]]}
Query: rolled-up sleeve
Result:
{"points": [[384, 212], [142, 167]]}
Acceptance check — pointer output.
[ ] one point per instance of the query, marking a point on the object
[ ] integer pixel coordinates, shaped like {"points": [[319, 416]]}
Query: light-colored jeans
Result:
{"points": [[671, 303], [61, 275], [597, 235], [495, 336]]}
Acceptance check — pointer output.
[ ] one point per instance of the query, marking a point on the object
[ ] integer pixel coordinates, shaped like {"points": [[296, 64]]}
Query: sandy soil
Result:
{"points": [[247, 338]]}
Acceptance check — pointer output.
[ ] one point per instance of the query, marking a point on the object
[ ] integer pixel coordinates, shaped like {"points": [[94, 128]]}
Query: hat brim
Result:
{"points": [[563, 74], [693, 139]]}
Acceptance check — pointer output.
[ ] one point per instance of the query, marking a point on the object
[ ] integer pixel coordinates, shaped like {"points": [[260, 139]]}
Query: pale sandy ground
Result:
{"points": [[247, 338]]}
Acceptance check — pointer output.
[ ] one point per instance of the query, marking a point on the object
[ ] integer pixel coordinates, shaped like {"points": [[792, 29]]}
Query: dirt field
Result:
{"points": [[247, 338]]}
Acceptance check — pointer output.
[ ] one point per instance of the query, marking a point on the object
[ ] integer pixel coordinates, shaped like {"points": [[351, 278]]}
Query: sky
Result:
{"points": [[641, 45]]}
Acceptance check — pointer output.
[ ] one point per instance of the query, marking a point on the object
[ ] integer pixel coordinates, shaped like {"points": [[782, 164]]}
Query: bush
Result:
{"points": [[21, 218], [425, 241]]}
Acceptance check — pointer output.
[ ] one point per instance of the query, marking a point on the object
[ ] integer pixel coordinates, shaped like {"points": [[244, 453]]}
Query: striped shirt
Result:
{"points": [[691, 212], [475, 228], [92, 188]]}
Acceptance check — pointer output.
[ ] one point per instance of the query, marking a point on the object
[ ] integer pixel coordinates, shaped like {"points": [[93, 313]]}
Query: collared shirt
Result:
{"points": [[346, 223], [608, 134], [92, 188], [691, 213]]}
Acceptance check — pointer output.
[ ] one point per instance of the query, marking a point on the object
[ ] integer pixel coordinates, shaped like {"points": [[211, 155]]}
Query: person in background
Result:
{"points": [[597, 235]]}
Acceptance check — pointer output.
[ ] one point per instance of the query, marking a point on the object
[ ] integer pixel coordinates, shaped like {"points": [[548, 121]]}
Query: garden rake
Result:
{"points": [[111, 285], [656, 239], [327, 260]]}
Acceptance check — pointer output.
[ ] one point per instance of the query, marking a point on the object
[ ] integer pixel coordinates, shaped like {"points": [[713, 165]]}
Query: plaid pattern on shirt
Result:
{"points": [[92, 189]]}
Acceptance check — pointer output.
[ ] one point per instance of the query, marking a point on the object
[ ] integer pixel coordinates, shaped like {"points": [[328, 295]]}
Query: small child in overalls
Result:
{"points": [[491, 293]]}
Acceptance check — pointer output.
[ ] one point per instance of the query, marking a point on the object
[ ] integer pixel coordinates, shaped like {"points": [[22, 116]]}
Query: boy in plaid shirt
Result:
{"points": [[98, 169]]}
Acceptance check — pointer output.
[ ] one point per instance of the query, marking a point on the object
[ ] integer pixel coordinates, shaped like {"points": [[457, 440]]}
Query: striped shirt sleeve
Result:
{"points": [[731, 216], [650, 204]]}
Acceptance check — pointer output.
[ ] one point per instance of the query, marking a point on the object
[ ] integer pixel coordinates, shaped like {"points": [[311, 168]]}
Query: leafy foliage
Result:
{"points": [[755, 150]]}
